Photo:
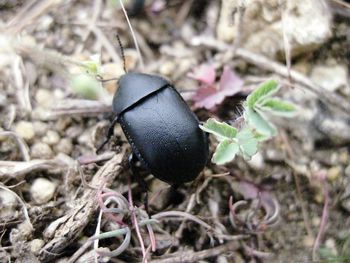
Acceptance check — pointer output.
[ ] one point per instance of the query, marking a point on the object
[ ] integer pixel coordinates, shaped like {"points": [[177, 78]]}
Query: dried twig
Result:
{"points": [[290, 154], [13, 169], [23, 147], [97, 7], [190, 256], [73, 107], [22, 84], [324, 219], [133, 35], [68, 228], [106, 43], [25, 211], [28, 14], [287, 48]]}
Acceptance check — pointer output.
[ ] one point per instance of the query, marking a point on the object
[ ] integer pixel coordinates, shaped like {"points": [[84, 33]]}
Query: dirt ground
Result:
{"points": [[290, 203]]}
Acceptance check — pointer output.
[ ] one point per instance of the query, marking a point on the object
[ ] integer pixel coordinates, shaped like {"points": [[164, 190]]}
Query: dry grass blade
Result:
{"points": [[190, 256], [23, 147], [13, 169], [22, 84], [74, 107], [28, 14], [25, 211], [106, 43], [75, 220]]}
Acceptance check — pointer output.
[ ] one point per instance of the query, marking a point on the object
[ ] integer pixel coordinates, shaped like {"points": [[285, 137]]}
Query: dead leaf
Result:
{"points": [[205, 74], [208, 95]]}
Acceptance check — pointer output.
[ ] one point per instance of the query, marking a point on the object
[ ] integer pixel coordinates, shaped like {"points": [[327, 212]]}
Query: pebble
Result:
{"points": [[330, 243], [51, 138], [333, 173], [21, 233], [167, 68], [36, 245], [308, 241], [330, 77], [42, 190], [40, 128], [345, 204], [41, 150], [8, 203], [25, 130], [3, 100], [44, 98], [63, 123], [64, 146], [257, 162]]}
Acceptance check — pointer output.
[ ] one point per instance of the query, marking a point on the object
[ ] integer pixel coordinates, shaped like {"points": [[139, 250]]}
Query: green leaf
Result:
{"points": [[259, 123], [93, 66], [278, 107], [86, 86], [220, 130], [260, 137], [248, 144], [266, 89], [225, 152]]}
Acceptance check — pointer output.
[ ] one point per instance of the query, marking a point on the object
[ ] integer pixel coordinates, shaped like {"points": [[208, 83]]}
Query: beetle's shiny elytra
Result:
{"points": [[162, 130]]}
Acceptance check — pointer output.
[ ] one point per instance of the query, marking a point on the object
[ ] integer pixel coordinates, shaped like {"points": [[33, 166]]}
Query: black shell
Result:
{"points": [[162, 130], [134, 87]]}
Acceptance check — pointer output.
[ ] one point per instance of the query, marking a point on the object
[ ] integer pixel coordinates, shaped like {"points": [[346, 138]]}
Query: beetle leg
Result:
{"points": [[109, 134], [141, 181]]}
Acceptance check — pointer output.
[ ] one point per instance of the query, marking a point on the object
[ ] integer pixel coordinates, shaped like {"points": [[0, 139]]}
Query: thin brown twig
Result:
{"points": [[239, 28], [324, 218], [106, 43], [342, 3], [23, 147], [22, 84], [25, 211], [28, 14], [135, 223], [183, 12], [287, 48], [97, 7], [14, 169], [67, 228], [133, 35], [290, 153], [190, 256]]}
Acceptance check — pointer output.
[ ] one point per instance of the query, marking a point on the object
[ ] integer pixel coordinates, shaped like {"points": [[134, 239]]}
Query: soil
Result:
{"points": [[290, 203]]}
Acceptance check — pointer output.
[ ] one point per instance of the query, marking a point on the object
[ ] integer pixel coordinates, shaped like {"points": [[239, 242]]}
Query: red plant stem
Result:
{"points": [[324, 220], [134, 219]]}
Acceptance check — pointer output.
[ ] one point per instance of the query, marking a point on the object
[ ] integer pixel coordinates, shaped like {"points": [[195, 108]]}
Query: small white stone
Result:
{"points": [[40, 128], [51, 138], [64, 146], [257, 161], [25, 130], [42, 190], [36, 245], [41, 150], [44, 98], [8, 202], [330, 77], [167, 68]]}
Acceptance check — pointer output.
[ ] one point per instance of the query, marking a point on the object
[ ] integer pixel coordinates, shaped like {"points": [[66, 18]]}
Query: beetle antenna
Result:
{"points": [[133, 35], [100, 79], [122, 52]]}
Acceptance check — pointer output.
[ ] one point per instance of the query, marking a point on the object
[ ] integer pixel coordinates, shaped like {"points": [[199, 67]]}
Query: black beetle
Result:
{"points": [[162, 130]]}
